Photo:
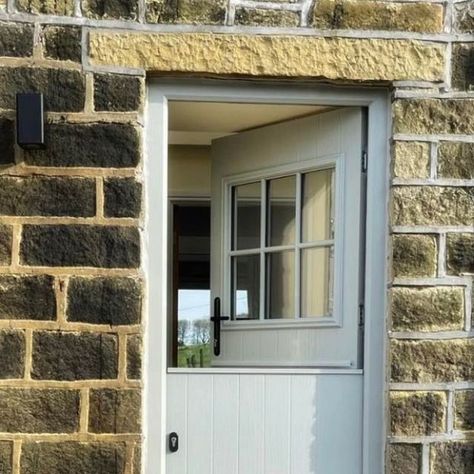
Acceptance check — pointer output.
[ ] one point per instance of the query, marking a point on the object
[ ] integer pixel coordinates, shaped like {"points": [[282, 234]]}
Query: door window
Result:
{"points": [[282, 246]]}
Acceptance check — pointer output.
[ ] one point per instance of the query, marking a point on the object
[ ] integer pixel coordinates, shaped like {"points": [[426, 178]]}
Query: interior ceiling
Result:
{"points": [[198, 123]]}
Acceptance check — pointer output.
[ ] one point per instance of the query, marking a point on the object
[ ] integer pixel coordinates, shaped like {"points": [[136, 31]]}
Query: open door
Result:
{"points": [[285, 245], [284, 393]]}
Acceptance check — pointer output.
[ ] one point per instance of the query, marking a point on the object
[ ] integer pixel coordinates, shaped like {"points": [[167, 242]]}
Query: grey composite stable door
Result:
{"points": [[285, 393]]}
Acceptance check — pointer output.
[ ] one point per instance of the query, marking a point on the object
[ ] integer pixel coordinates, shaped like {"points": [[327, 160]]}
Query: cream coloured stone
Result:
{"points": [[411, 160], [433, 205], [417, 413], [276, 56], [427, 309], [375, 15]]}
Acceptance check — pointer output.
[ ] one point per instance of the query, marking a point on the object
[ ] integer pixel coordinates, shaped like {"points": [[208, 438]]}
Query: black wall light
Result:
{"points": [[29, 120]]}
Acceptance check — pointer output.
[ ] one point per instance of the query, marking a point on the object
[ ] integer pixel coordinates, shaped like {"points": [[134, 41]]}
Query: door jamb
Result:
{"points": [[155, 249]]}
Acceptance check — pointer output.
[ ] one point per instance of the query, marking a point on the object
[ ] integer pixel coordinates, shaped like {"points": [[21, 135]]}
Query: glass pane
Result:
{"points": [[281, 285], [318, 206], [193, 330], [281, 211], [316, 282], [246, 287], [247, 216]]}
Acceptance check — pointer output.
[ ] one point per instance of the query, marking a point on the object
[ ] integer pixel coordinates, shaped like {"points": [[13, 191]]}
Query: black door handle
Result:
{"points": [[216, 319]]}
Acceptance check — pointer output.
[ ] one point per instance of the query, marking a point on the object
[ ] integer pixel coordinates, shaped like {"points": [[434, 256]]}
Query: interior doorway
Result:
{"points": [[267, 218], [191, 287]]}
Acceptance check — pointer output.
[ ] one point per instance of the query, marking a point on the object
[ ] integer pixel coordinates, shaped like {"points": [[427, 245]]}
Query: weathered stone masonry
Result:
{"points": [[71, 287]]}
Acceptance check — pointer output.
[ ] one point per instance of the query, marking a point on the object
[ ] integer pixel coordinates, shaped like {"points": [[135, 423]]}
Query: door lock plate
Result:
{"points": [[173, 442]]}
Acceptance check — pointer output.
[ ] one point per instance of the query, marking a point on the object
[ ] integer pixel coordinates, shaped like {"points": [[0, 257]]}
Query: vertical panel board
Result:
{"points": [[304, 418], [339, 426], [251, 347], [268, 343], [328, 131], [251, 424], [199, 439], [232, 349], [277, 424], [226, 424], [176, 421]]}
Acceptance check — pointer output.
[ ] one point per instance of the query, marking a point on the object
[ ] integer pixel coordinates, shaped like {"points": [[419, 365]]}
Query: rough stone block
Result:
{"points": [[372, 15], [72, 457], [107, 145], [431, 116], [107, 9], [137, 459], [417, 414], [16, 39], [456, 160], [114, 411], [6, 457], [7, 141], [27, 297], [463, 66], [12, 354], [39, 411], [63, 43], [81, 246], [464, 410], [452, 458], [5, 244], [411, 160], [117, 92], [291, 56], [73, 356], [427, 309], [264, 17], [46, 7], [207, 12], [432, 361], [433, 205], [405, 458], [112, 301], [122, 197], [460, 253], [414, 255], [134, 357], [47, 196], [63, 89], [464, 17]]}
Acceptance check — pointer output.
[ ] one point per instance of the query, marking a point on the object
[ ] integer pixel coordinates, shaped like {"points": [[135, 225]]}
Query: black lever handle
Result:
{"points": [[216, 319]]}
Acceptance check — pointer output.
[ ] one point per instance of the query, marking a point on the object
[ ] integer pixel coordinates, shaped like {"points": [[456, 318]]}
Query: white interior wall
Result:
{"points": [[189, 171]]}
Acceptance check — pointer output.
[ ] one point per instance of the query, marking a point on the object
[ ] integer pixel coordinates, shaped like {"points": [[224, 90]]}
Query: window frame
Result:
{"points": [[335, 161]]}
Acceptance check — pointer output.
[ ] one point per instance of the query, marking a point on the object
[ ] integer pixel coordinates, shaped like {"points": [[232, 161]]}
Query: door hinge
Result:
{"points": [[364, 160], [361, 315]]}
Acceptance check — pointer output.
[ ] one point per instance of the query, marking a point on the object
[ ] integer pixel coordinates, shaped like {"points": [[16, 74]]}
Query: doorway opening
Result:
{"points": [[299, 375], [193, 129]]}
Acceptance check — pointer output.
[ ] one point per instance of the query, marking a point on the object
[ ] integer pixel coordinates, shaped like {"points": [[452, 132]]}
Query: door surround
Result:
{"points": [[159, 91]]}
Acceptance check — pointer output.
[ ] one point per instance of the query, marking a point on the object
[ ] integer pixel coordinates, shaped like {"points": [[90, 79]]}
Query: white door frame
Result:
{"points": [[155, 243]]}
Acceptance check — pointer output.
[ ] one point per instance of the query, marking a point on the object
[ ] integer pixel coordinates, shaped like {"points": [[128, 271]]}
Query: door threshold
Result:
{"points": [[265, 370]]}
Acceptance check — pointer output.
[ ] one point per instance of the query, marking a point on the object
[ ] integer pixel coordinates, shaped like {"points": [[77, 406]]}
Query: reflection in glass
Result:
{"points": [[247, 199], [318, 206], [316, 282], [281, 211], [281, 285], [246, 287]]}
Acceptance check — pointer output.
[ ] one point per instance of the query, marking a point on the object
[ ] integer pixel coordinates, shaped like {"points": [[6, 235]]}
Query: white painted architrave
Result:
{"points": [[155, 244]]}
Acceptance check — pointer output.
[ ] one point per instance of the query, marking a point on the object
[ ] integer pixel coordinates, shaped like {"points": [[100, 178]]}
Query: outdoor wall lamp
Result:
{"points": [[29, 120]]}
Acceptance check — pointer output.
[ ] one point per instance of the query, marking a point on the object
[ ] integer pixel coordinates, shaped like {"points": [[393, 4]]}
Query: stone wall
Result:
{"points": [[71, 216]]}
